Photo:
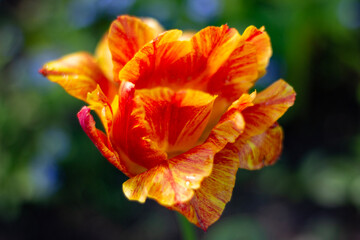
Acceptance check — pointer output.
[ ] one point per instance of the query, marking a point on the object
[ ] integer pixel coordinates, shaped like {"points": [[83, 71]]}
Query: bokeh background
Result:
{"points": [[54, 184]]}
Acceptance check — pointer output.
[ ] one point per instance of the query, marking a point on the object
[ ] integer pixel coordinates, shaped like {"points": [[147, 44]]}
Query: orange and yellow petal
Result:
{"points": [[260, 150], [238, 74], [269, 105], [150, 66], [99, 139], [208, 201], [78, 74], [127, 35], [176, 118], [101, 105], [130, 134], [103, 57], [214, 45], [211, 47], [176, 63], [261, 41], [174, 181]]}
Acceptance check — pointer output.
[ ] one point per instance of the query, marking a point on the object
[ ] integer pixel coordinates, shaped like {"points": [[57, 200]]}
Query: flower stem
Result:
{"points": [[186, 228]]}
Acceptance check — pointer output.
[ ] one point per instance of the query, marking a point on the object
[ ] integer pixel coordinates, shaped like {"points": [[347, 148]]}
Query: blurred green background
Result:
{"points": [[54, 184]]}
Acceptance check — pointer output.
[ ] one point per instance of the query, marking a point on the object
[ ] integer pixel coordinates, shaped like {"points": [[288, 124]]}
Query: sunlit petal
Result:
{"points": [[261, 41], [260, 150], [208, 202], [78, 74], [127, 35], [269, 106], [150, 66]]}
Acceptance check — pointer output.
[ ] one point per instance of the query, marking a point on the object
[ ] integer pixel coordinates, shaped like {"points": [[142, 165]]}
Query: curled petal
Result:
{"points": [[208, 202], [260, 150], [261, 41], [269, 106], [126, 36], [174, 181], [168, 182], [78, 74], [99, 139]]}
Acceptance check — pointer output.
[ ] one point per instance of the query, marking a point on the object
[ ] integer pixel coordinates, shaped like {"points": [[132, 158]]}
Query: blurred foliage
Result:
{"points": [[55, 184]]}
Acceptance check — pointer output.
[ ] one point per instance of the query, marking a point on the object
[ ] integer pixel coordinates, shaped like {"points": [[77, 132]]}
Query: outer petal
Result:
{"points": [[78, 74], [260, 150], [99, 139], [269, 106], [208, 202], [261, 41], [177, 119], [126, 36], [174, 181], [103, 57]]}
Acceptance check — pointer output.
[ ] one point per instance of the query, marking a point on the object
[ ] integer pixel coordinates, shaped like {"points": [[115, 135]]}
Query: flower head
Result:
{"points": [[178, 118]]}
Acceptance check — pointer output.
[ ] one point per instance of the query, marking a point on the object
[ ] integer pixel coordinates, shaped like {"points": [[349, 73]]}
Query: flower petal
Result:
{"points": [[260, 150], [173, 181], [261, 41], [99, 139], [269, 106], [208, 202], [100, 103], [248, 151], [78, 74], [175, 63], [126, 36], [237, 75], [176, 119], [211, 47], [214, 45], [130, 133], [103, 57], [149, 67]]}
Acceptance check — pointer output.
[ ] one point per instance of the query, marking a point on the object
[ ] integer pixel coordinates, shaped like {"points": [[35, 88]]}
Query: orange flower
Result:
{"points": [[176, 111]]}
